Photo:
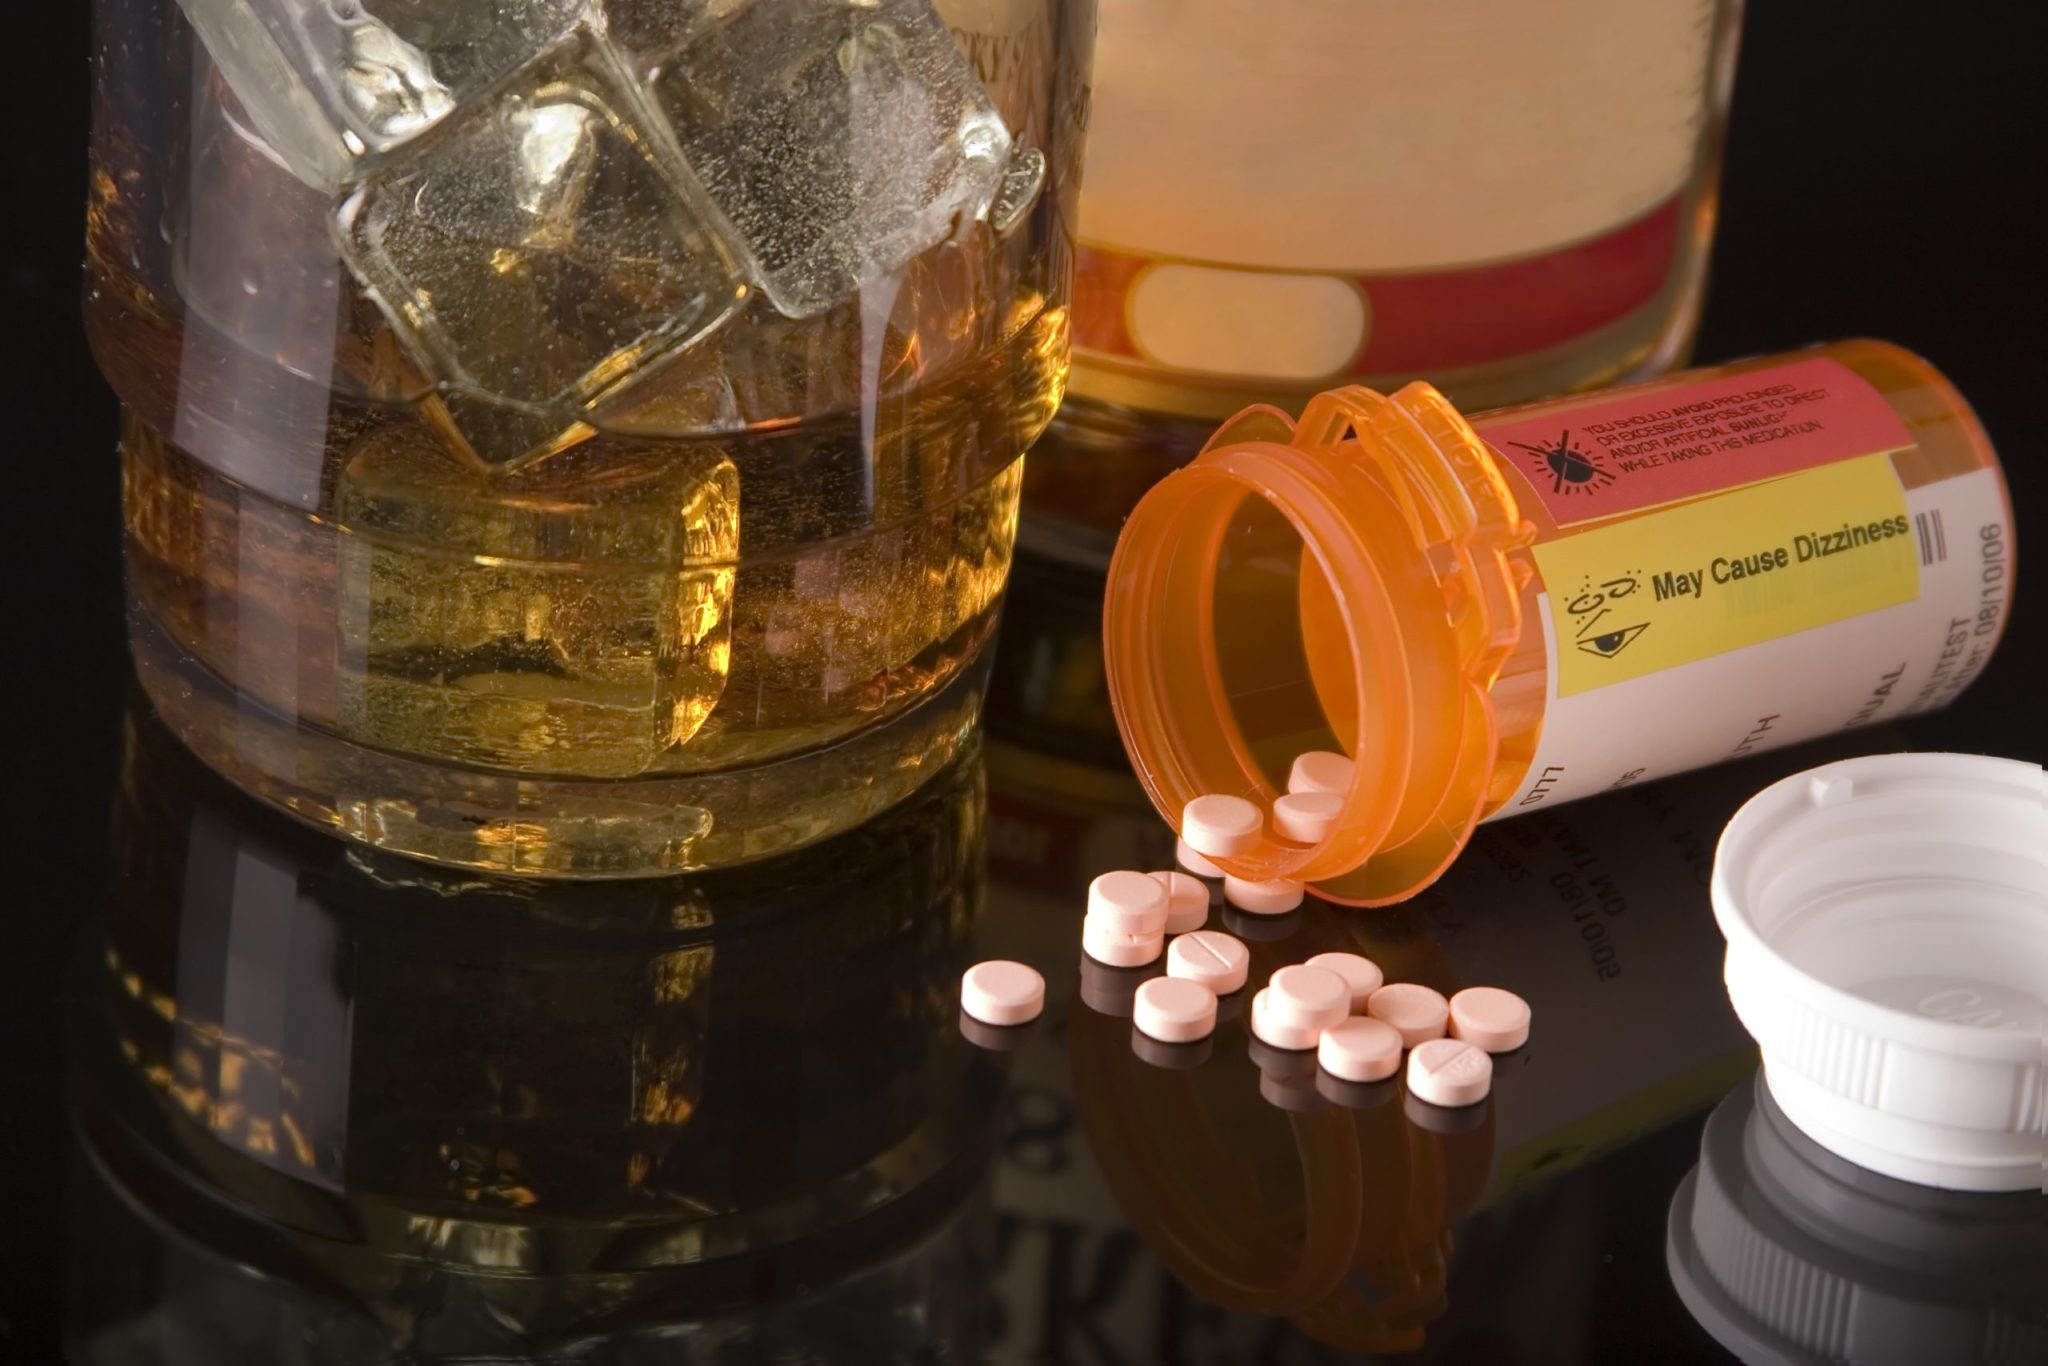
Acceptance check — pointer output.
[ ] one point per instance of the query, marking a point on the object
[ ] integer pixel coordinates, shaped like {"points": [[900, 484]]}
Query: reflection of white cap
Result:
{"points": [[1786, 1253], [1887, 926]]}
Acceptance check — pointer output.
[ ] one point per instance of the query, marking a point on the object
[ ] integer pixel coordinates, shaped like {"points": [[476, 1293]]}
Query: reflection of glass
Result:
{"points": [[1788, 1254], [522, 398], [490, 1111], [902, 1284]]}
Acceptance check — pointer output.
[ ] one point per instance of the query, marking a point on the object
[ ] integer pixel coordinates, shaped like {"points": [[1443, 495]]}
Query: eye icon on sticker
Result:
{"points": [[1608, 644], [1571, 467]]}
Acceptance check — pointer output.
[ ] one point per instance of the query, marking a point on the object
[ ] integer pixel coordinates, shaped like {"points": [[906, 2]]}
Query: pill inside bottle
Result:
{"points": [[1489, 616]]}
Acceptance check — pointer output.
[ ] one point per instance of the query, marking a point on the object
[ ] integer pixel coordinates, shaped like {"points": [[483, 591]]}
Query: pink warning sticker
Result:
{"points": [[1600, 456]]}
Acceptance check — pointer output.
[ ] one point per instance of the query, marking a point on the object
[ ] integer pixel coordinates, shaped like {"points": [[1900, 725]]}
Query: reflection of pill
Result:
{"points": [[1449, 1072], [1110, 990], [994, 1038], [1313, 998], [1298, 1096], [1306, 817], [1360, 1049], [1210, 957], [1000, 992], [1293, 1064], [1356, 1095], [1260, 929], [1496, 1020], [1417, 1011], [1175, 1010], [1119, 950], [1320, 770], [1277, 896], [1177, 1057], [1360, 973], [1448, 1120], [1192, 860], [1187, 901], [1128, 903], [1278, 1032], [1220, 825]]}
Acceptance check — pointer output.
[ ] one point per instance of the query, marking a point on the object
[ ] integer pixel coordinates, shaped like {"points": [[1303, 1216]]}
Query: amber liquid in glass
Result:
{"points": [[700, 626]]}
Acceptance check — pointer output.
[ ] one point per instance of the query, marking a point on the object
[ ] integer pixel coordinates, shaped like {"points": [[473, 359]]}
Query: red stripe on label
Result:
{"points": [[1666, 441], [1437, 320]]}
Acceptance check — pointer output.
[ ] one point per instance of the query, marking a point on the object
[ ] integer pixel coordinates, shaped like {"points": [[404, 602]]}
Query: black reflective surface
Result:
{"points": [[325, 1105], [275, 1100]]}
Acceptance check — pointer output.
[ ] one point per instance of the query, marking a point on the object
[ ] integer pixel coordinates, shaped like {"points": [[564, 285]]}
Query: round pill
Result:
{"points": [[1192, 860], [1277, 896], [1320, 770], [1175, 1010], [1187, 901], [1306, 817], [1000, 992], [1314, 998], [1128, 903], [1269, 1029], [1496, 1020], [1360, 1049], [1212, 958], [1449, 1072], [1360, 973], [1417, 1011], [1119, 950], [1220, 825]]}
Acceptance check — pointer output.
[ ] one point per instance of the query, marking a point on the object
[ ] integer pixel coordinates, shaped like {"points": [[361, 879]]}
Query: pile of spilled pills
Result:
{"points": [[1336, 1005]]}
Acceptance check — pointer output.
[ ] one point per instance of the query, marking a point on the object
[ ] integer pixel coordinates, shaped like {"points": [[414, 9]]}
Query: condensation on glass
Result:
{"points": [[579, 437], [1508, 200]]}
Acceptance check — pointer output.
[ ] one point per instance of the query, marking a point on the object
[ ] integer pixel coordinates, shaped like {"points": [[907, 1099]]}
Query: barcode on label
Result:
{"points": [[1933, 544]]}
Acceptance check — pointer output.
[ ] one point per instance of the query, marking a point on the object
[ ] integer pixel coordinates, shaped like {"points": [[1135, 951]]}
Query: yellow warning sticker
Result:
{"points": [[1719, 573]]}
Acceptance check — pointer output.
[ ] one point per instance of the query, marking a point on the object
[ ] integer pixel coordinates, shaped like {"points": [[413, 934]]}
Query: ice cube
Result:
{"points": [[542, 252], [328, 83], [570, 618], [841, 138], [648, 26]]}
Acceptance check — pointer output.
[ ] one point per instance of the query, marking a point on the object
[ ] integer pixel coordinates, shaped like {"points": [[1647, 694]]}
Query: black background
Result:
{"points": [[1880, 182]]}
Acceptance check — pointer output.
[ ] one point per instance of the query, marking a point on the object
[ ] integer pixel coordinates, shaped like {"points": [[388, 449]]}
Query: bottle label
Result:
{"points": [[1297, 193], [1783, 561], [1139, 310]]}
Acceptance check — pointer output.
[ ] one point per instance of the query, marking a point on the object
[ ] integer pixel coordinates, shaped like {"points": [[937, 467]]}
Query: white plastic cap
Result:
{"points": [[1887, 926]]}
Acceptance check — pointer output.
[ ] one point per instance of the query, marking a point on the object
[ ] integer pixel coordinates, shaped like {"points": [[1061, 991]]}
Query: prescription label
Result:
{"points": [[1598, 457], [1713, 697], [1721, 573]]}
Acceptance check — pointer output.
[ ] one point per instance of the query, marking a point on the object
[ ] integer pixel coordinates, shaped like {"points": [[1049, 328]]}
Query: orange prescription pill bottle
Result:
{"points": [[1551, 600]]}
